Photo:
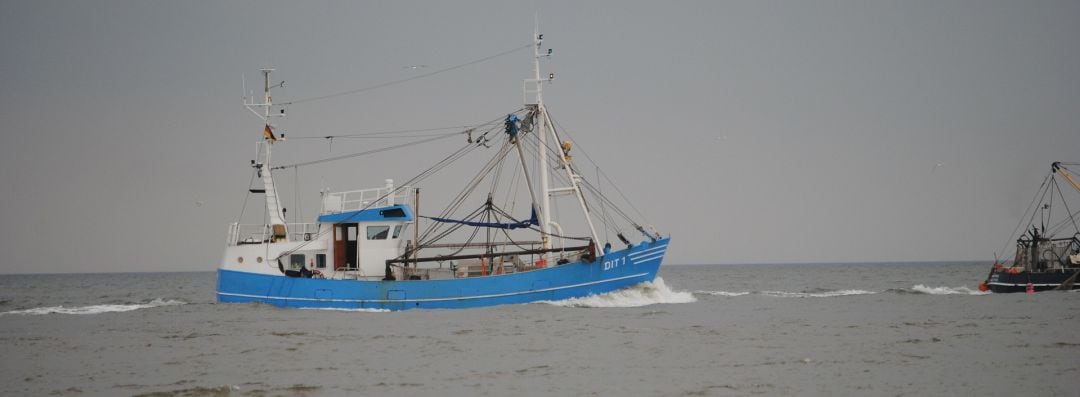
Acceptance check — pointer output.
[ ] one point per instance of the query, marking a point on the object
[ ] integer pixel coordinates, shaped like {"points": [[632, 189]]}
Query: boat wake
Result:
{"points": [[644, 294], [721, 293], [817, 293], [826, 293], [922, 289], [96, 309]]}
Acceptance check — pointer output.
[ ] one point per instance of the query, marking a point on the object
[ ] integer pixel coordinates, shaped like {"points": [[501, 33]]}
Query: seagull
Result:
{"points": [[936, 166], [198, 203]]}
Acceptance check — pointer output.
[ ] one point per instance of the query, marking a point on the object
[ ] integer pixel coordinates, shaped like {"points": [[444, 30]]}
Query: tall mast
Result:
{"points": [[542, 128], [542, 157], [262, 163]]}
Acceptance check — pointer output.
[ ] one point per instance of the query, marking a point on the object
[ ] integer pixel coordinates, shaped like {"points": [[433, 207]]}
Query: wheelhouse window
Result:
{"points": [[378, 232], [397, 231], [296, 261]]}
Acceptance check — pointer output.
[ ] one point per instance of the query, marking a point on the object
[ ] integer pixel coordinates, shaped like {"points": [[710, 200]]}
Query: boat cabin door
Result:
{"points": [[345, 246]]}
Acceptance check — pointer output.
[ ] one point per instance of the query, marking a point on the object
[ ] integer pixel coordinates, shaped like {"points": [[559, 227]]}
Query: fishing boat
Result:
{"points": [[1048, 248], [367, 250]]}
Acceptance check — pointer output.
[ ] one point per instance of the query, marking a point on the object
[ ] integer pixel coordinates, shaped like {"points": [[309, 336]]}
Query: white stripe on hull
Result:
{"points": [[433, 299]]}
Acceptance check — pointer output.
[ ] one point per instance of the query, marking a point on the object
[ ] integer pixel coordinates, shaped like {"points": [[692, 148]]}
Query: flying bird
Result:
{"points": [[936, 166]]}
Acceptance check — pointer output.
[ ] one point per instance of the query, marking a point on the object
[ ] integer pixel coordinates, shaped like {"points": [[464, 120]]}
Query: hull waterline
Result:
{"points": [[616, 270], [1004, 282]]}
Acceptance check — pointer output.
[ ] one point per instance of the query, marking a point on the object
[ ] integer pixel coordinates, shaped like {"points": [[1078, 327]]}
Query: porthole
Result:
{"points": [[258, 259], [240, 259]]}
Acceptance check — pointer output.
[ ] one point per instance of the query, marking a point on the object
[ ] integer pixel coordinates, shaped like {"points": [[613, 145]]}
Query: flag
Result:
{"points": [[269, 134]]}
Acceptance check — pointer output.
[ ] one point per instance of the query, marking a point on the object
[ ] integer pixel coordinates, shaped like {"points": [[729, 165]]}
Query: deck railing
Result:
{"points": [[1052, 253], [354, 200], [258, 234]]}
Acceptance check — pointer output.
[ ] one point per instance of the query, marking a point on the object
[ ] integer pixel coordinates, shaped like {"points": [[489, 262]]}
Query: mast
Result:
{"points": [[542, 156], [542, 128], [262, 162]]}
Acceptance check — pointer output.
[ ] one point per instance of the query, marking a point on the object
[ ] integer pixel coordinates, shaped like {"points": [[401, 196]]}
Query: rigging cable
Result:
{"points": [[1031, 208], [468, 131], [534, 147], [364, 153], [1061, 225], [389, 134], [468, 189], [460, 198], [612, 183], [246, 197], [419, 177], [390, 83]]}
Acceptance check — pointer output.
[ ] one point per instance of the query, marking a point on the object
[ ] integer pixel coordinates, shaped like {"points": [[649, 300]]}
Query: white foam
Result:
{"points": [[644, 294], [947, 291], [96, 309], [722, 293], [823, 294]]}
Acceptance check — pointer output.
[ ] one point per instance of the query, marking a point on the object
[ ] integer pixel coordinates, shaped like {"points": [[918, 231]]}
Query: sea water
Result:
{"points": [[710, 330]]}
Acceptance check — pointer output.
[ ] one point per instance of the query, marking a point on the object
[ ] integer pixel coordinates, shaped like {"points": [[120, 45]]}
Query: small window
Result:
{"points": [[397, 231], [320, 261], [339, 233], [296, 261], [352, 233], [378, 232]]}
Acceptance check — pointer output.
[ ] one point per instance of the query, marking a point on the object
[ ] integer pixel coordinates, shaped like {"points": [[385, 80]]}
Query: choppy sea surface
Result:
{"points": [[777, 330]]}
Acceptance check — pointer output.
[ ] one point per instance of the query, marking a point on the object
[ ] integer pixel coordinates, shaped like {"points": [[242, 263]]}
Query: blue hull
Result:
{"points": [[616, 270]]}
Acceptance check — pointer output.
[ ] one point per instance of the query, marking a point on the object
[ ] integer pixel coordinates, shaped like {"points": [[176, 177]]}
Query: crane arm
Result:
{"points": [[1060, 169]]}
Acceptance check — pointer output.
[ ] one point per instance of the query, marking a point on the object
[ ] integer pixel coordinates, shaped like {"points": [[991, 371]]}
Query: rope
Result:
{"points": [[246, 197], [606, 177], [467, 131], [390, 83], [364, 153], [1071, 217], [1030, 207], [382, 134], [423, 175], [533, 147], [469, 187], [1067, 210]]}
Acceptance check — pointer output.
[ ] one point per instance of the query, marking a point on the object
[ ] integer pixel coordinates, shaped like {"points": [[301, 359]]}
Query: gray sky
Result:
{"points": [[752, 131]]}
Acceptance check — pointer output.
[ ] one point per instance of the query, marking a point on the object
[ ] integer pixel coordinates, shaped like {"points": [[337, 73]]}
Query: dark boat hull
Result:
{"points": [[1004, 282]]}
